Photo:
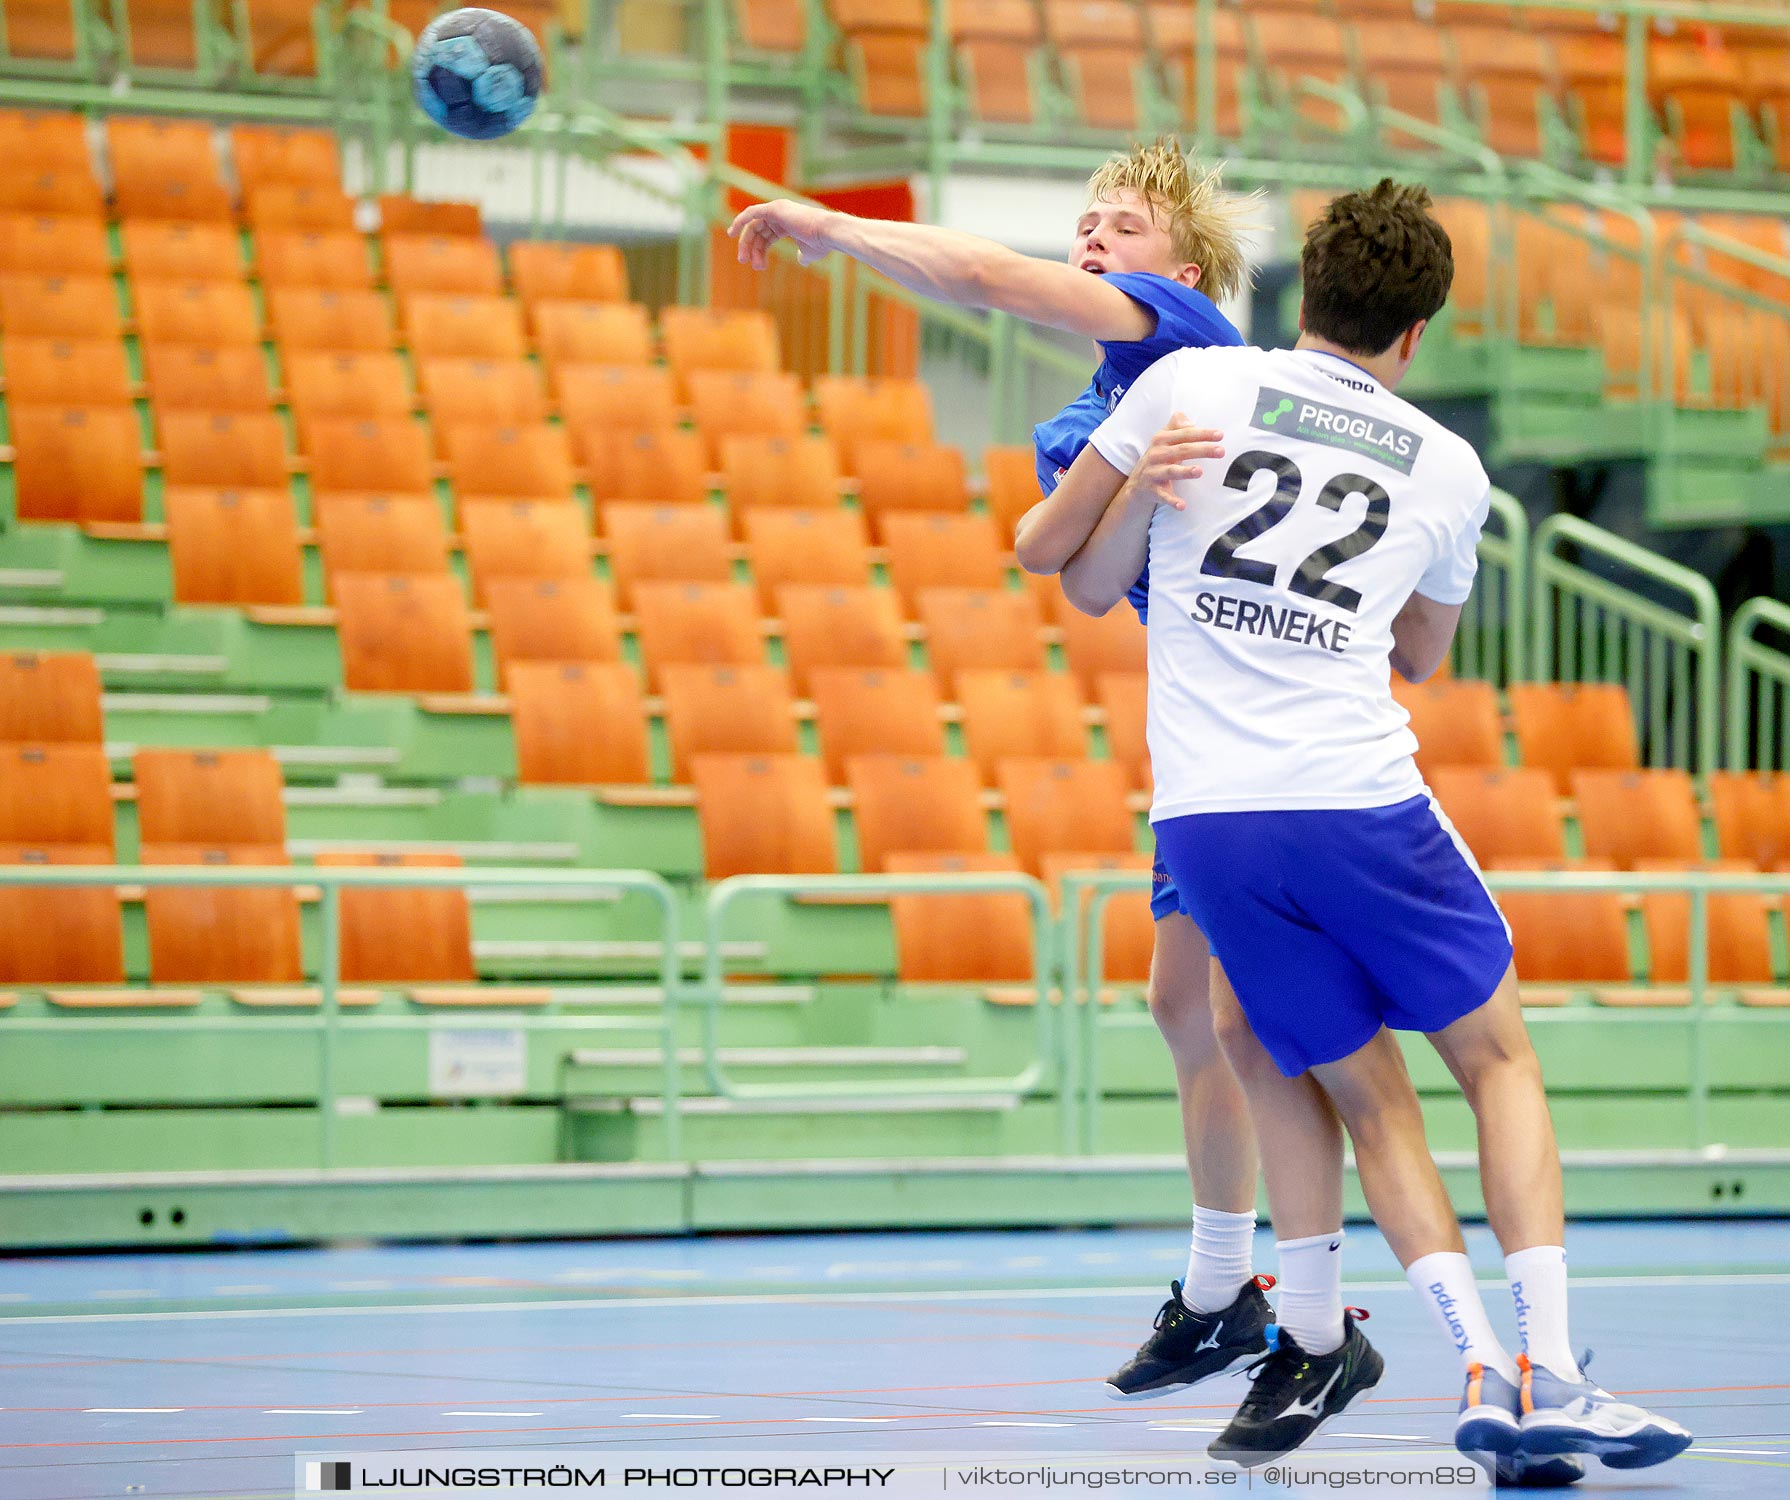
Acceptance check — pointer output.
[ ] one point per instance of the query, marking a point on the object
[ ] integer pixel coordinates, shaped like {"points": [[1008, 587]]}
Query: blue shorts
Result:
{"points": [[1331, 924], [1165, 900]]}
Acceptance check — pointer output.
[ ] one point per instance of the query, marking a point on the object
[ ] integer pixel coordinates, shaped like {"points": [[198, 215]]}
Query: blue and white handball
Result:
{"points": [[476, 73]]}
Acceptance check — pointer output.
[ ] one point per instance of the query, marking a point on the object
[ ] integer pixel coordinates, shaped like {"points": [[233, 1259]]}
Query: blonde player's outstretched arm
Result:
{"points": [[947, 265]]}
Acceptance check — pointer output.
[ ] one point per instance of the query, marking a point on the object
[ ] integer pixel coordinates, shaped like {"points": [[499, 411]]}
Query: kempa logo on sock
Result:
{"points": [[1447, 1304], [1523, 1311]]}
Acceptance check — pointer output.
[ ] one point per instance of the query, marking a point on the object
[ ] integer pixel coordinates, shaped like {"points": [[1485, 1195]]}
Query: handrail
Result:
{"points": [[333, 880], [1500, 600], [870, 888], [1082, 926], [1613, 633], [1758, 679]]}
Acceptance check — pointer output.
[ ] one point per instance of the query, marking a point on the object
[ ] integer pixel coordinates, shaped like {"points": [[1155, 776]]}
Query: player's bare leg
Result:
{"points": [[1216, 1317]]}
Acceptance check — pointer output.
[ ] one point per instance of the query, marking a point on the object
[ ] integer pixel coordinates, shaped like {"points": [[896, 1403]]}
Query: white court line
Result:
{"points": [[784, 1299], [90, 1410], [1741, 1452]]}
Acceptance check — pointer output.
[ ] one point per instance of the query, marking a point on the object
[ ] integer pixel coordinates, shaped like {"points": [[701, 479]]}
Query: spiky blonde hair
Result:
{"points": [[1206, 225]]}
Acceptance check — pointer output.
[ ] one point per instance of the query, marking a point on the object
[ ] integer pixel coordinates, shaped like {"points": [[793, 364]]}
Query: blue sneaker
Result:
{"points": [[1488, 1430], [1562, 1416]]}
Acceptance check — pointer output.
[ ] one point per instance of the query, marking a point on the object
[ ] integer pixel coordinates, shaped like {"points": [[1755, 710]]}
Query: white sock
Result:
{"points": [[1311, 1307], [1221, 1259], [1538, 1287], [1444, 1280]]}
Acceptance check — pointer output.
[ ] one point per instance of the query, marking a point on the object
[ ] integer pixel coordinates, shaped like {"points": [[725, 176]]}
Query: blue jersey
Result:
{"points": [[1185, 319]]}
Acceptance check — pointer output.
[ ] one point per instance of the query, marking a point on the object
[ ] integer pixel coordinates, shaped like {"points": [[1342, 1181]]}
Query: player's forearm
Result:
{"points": [[1056, 528], [1103, 571], [943, 264]]}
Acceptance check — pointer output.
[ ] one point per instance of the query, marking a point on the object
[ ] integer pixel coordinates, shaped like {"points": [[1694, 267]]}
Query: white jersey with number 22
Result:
{"points": [[1272, 595]]}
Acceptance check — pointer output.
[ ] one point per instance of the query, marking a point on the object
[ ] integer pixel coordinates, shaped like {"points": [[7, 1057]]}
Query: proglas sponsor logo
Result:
{"points": [[328, 1476], [1287, 415]]}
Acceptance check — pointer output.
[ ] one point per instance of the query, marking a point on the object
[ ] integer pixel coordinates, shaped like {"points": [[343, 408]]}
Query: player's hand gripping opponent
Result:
{"points": [[1171, 457], [759, 227]]}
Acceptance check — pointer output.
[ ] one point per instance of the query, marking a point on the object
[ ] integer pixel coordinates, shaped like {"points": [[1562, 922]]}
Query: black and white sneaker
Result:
{"points": [[1188, 1347], [1294, 1393]]}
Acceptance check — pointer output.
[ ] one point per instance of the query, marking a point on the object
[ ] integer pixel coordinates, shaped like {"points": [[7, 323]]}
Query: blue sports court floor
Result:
{"points": [[201, 1374]]}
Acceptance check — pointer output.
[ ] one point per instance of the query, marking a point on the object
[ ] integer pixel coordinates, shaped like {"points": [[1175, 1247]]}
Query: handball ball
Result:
{"points": [[476, 73]]}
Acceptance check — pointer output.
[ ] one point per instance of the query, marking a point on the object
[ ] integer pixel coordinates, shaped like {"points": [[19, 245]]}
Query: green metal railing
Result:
{"points": [[1588, 627], [1758, 688], [328, 1023], [1091, 894], [1049, 1065], [1491, 640]]}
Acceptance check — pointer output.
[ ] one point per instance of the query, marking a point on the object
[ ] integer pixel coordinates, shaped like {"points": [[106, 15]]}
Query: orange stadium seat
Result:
{"points": [[551, 271], [76, 463], [1406, 67], [728, 403], [1171, 25], [285, 205], [209, 797], [1123, 697], [329, 318], [56, 794], [1625, 816], [763, 814], [710, 623], [523, 539], [1012, 714], [59, 307], [580, 723], [806, 546], [406, 934], [467, 392], [1103, 81], [215, 313], [401, 214], [914, 804], [592, 333], [384, 455], [380, 534], [1502, 814], [222, 934], [453, 327], [533, 461], [192, 377], [50, 696], [744, 709], [1297, 45], [1012, 486], [155, 149], [403, 633], [1456, 723], [316, 258], [552, 620], [451, 265], [1507, 75], [1591, 67], [970, 628], [771, 25], [155, 250], [701, 338], [802, 472], [961, 938], [664, 543], [888, 69], [52, 140], [1056, 806], [368, 383], [1128, 934], [1739, 929], [636, 396], [60, 935], [159, 34], [924, 550], [1752, 816], [856, 410], [871, 711], [266, 154], [839, 627], [72, 192], [643, 464], [63, 372], [233, 546], [909, 476], [49, 245], [39, 29], [1561, 937], [1583, 725], [175, 200]]}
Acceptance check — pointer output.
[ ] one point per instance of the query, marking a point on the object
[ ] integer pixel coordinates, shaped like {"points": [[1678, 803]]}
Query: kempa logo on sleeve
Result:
{"points": [[1335, 427]]}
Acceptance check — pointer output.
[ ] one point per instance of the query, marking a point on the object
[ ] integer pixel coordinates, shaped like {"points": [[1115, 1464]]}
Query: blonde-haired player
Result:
{"points": [[1158, 241]]}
